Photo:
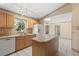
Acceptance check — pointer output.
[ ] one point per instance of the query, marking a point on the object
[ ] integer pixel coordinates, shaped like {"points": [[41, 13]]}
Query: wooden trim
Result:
{"points": [[75, 50], [66, 8]]}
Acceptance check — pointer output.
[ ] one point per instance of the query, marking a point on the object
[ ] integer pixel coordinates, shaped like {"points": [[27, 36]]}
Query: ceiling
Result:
{"points": [[34, 10]]}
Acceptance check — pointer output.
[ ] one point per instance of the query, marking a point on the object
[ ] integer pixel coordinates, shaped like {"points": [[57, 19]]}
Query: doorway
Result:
{"points": [[57, 30]]}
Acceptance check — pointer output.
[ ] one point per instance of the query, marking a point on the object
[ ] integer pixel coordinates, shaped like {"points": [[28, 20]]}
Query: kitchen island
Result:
{"points": [[45, 46]]}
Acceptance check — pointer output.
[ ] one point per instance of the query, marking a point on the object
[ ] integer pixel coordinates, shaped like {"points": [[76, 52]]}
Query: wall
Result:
{"points": [[75, 26], [64, 21], [59, 20], [65, 29]]}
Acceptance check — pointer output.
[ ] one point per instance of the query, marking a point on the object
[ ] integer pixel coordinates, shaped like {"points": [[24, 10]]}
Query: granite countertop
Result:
{"points": [[43, 39], [8, 36]]}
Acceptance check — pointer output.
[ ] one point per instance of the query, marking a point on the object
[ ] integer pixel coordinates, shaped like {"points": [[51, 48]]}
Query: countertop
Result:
{"points": [[43, 39], [9, 36]]}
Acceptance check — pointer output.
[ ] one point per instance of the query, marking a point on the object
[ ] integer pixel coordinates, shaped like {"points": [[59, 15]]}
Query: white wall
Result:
{"points": [[65, 29], [75, 26], [61, 18], [64, 20]]}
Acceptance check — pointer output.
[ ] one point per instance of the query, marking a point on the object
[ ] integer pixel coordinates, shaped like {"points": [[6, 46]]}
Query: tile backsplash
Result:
{"points": [[5, 32]]}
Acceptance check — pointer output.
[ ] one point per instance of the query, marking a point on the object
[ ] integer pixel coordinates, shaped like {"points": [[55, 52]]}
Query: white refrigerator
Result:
{"points": [[38, 29]]}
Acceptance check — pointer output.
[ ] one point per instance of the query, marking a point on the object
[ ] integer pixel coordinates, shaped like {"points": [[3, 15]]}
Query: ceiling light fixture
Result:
{"points": [[47, 19]]}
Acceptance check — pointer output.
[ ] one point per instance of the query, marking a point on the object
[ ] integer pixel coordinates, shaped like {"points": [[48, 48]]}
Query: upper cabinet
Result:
{"points": [[31, 22], [2, 20], [6, 20], [10, 21]]}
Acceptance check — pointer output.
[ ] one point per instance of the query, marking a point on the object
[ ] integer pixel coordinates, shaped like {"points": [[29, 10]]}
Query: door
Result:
{"points": [[57, 30], [47, 29]]}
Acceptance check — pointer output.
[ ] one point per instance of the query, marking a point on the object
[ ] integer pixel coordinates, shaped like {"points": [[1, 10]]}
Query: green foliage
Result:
{"points": [[20, 26]]}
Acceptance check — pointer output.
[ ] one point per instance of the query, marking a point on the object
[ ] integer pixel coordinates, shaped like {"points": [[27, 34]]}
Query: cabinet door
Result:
{"points": [[10, 21], [2, 20], [19, 43], [28, 40]]}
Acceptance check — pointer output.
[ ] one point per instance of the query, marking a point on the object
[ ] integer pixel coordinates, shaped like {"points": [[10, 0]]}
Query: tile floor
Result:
{"points": [[64, 49], [24, 52]]}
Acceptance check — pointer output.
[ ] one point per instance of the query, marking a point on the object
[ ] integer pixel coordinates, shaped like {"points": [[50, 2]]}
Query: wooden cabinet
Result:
{"points": [[10, 20], [2, 20], [28, 40], [23, 42], [45, 48], [6, 20], [19, 43], [31, 22]]}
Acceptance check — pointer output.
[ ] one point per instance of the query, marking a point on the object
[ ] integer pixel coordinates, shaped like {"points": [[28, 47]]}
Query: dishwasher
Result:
{"points": [[7, 46]]}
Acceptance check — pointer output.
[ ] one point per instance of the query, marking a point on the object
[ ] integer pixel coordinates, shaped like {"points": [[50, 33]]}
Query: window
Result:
{"points": [[19, 24]]}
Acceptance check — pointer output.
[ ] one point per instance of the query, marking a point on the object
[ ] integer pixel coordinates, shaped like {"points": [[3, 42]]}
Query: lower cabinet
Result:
{"points": [[7, 46], [23, 42], [28, 40], [19, 42]]}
